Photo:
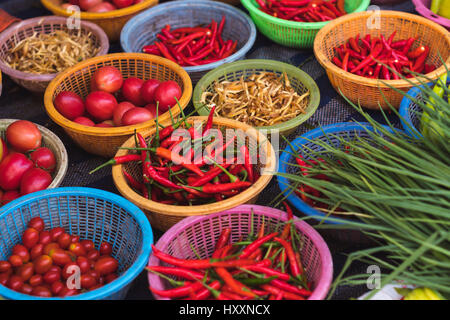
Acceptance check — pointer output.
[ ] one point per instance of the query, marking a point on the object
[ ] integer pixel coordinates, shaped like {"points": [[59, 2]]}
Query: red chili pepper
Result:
{"points": [[223, 238], [294, 267], [132, 181], [219, 188], [276, 291], [118, 160], [290, 288], [247, 162], [177, 159], [236, 286], [345, 61], [178, 272], [417, 52], [269, 272], [165, 52], [419, 64], [208, 176], [373, 55], [178, 292], [205, 293], [256, 244], [209, 122]]}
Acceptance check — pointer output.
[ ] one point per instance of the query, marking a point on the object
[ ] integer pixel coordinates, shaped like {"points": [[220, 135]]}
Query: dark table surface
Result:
{"points": [[17, 103]]}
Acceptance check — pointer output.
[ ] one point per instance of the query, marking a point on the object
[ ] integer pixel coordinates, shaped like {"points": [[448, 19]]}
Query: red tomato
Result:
{"points": [[56, 232], [135, 116], [42, 264], [108, 79], [26, 271], [64, 240], [122, 3], [74, 238], [69, 105], [45, 237], [35, 180], [36, 251], [111, 277], [104, 125], [66, 292], [3, 149], [56, 287], [105, 248], [93, 255], [4, 277], [87, 281], [94, 273], [138, 1], [166, 93], [131, 91], [120, 110], [36, 223], [103, 7], [77, 249], [42, 291], [30, 238], [22, 252], [52, 276], [23, 136], [15, 283], [5, 266], [36, 280], [55, 269], [148, 90], [44, 158], [48, 247], [26, 289], [9, 196], [101, 105], [60, 257], [68, 270], [152, 108], [12, 169], [88, 245], [106, 265], [84, 121], [15, 260], [87, 4], [84, 264]]}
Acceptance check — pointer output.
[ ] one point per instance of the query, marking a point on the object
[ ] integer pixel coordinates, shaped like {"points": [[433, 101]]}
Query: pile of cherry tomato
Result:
{"points": [[115, 101], [99, 6], [25, 166], [41, 265]]}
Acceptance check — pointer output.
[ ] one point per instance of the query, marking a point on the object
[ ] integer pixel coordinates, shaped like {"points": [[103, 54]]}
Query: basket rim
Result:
{"points": [[305, 78], [205, 209], [99, 16], [285, 156], [115, 131], [8, 33], [175, 6], [48, 134], [329, 66], [250, 6], [129, 275], [325, 277]]}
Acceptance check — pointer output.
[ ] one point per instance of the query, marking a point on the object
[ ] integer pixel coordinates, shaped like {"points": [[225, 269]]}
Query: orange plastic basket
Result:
{"points": [[111, 22], [369, 92], [105, 141]]}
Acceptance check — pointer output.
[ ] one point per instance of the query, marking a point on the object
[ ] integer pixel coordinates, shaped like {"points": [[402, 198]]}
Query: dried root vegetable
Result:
{"points": [[262, 99], [51, 53]]}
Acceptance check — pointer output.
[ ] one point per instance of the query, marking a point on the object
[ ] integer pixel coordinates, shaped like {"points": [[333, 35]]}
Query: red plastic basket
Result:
{"points": [[202, 233]]}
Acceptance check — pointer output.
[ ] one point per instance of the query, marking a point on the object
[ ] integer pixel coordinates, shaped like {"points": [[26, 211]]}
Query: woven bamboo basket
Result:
{"points": [[369, 92], [51, 141], [111, 22], [164, 216], [105, 141], [19, 31]]}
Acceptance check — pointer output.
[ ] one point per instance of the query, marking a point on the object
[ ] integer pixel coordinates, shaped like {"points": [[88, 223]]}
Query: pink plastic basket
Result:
{"points": [[202, 233], [423, 7]]}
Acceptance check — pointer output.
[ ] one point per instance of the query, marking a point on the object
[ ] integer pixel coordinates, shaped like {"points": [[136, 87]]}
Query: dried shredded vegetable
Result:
{"points": [[53, 52], [263, 99]]}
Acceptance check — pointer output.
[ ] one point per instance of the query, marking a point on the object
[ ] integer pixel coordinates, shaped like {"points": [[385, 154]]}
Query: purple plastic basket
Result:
{"points": [[202, 233], [423, 7]]}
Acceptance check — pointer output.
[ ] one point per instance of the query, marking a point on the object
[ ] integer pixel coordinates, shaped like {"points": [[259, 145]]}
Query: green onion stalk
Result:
{"points": [[397, 189]]}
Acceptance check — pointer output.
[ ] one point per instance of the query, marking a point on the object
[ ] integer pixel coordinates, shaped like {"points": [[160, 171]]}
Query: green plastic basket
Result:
{"points": [[292, 33], [299, 79]]}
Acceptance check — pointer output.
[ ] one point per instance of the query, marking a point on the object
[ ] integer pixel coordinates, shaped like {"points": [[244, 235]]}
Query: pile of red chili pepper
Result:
{"points": [[193, 46], [381, 58], [303, 10], [170, 178], [263, 266]]}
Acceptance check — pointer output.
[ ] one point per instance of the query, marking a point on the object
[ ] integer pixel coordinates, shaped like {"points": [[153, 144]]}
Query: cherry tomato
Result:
{"points": [[26, 289], [69, 270], [103, 7], [55, 268], [87, 4], [122, 3], [66, 292], [36, 280], [60, 257], [148, 90], [56, 232], [131, 91], [97, 286], [36, 251], [35, 180], [101, 105], [12, 169], [77, 249], [56, 287], [84, 121], [30, 238], [111, 277], [42, 291], [15, 260], [166, 93], [26, 271], [94, 274], [69, 105], [42, 264], [64, 240], [4, 277], [22, 252], [45, 237], [101, 280], [135, 116], [51, 276], [5, 266], [3, 149], [36, 223], [9, 196], [74, 238], [106, 265], [84, 264], [44, 158], [23, 136], [88, 245], [93, 255], [105, 248], [87, 281], [15, 283], [120, 111], [48, 247], [108, 79]]}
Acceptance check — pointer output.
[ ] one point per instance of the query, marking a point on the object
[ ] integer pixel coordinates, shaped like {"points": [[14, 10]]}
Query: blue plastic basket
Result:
{"points": [[410, 112], [328, 133], [142, 29], [92, 214]]}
